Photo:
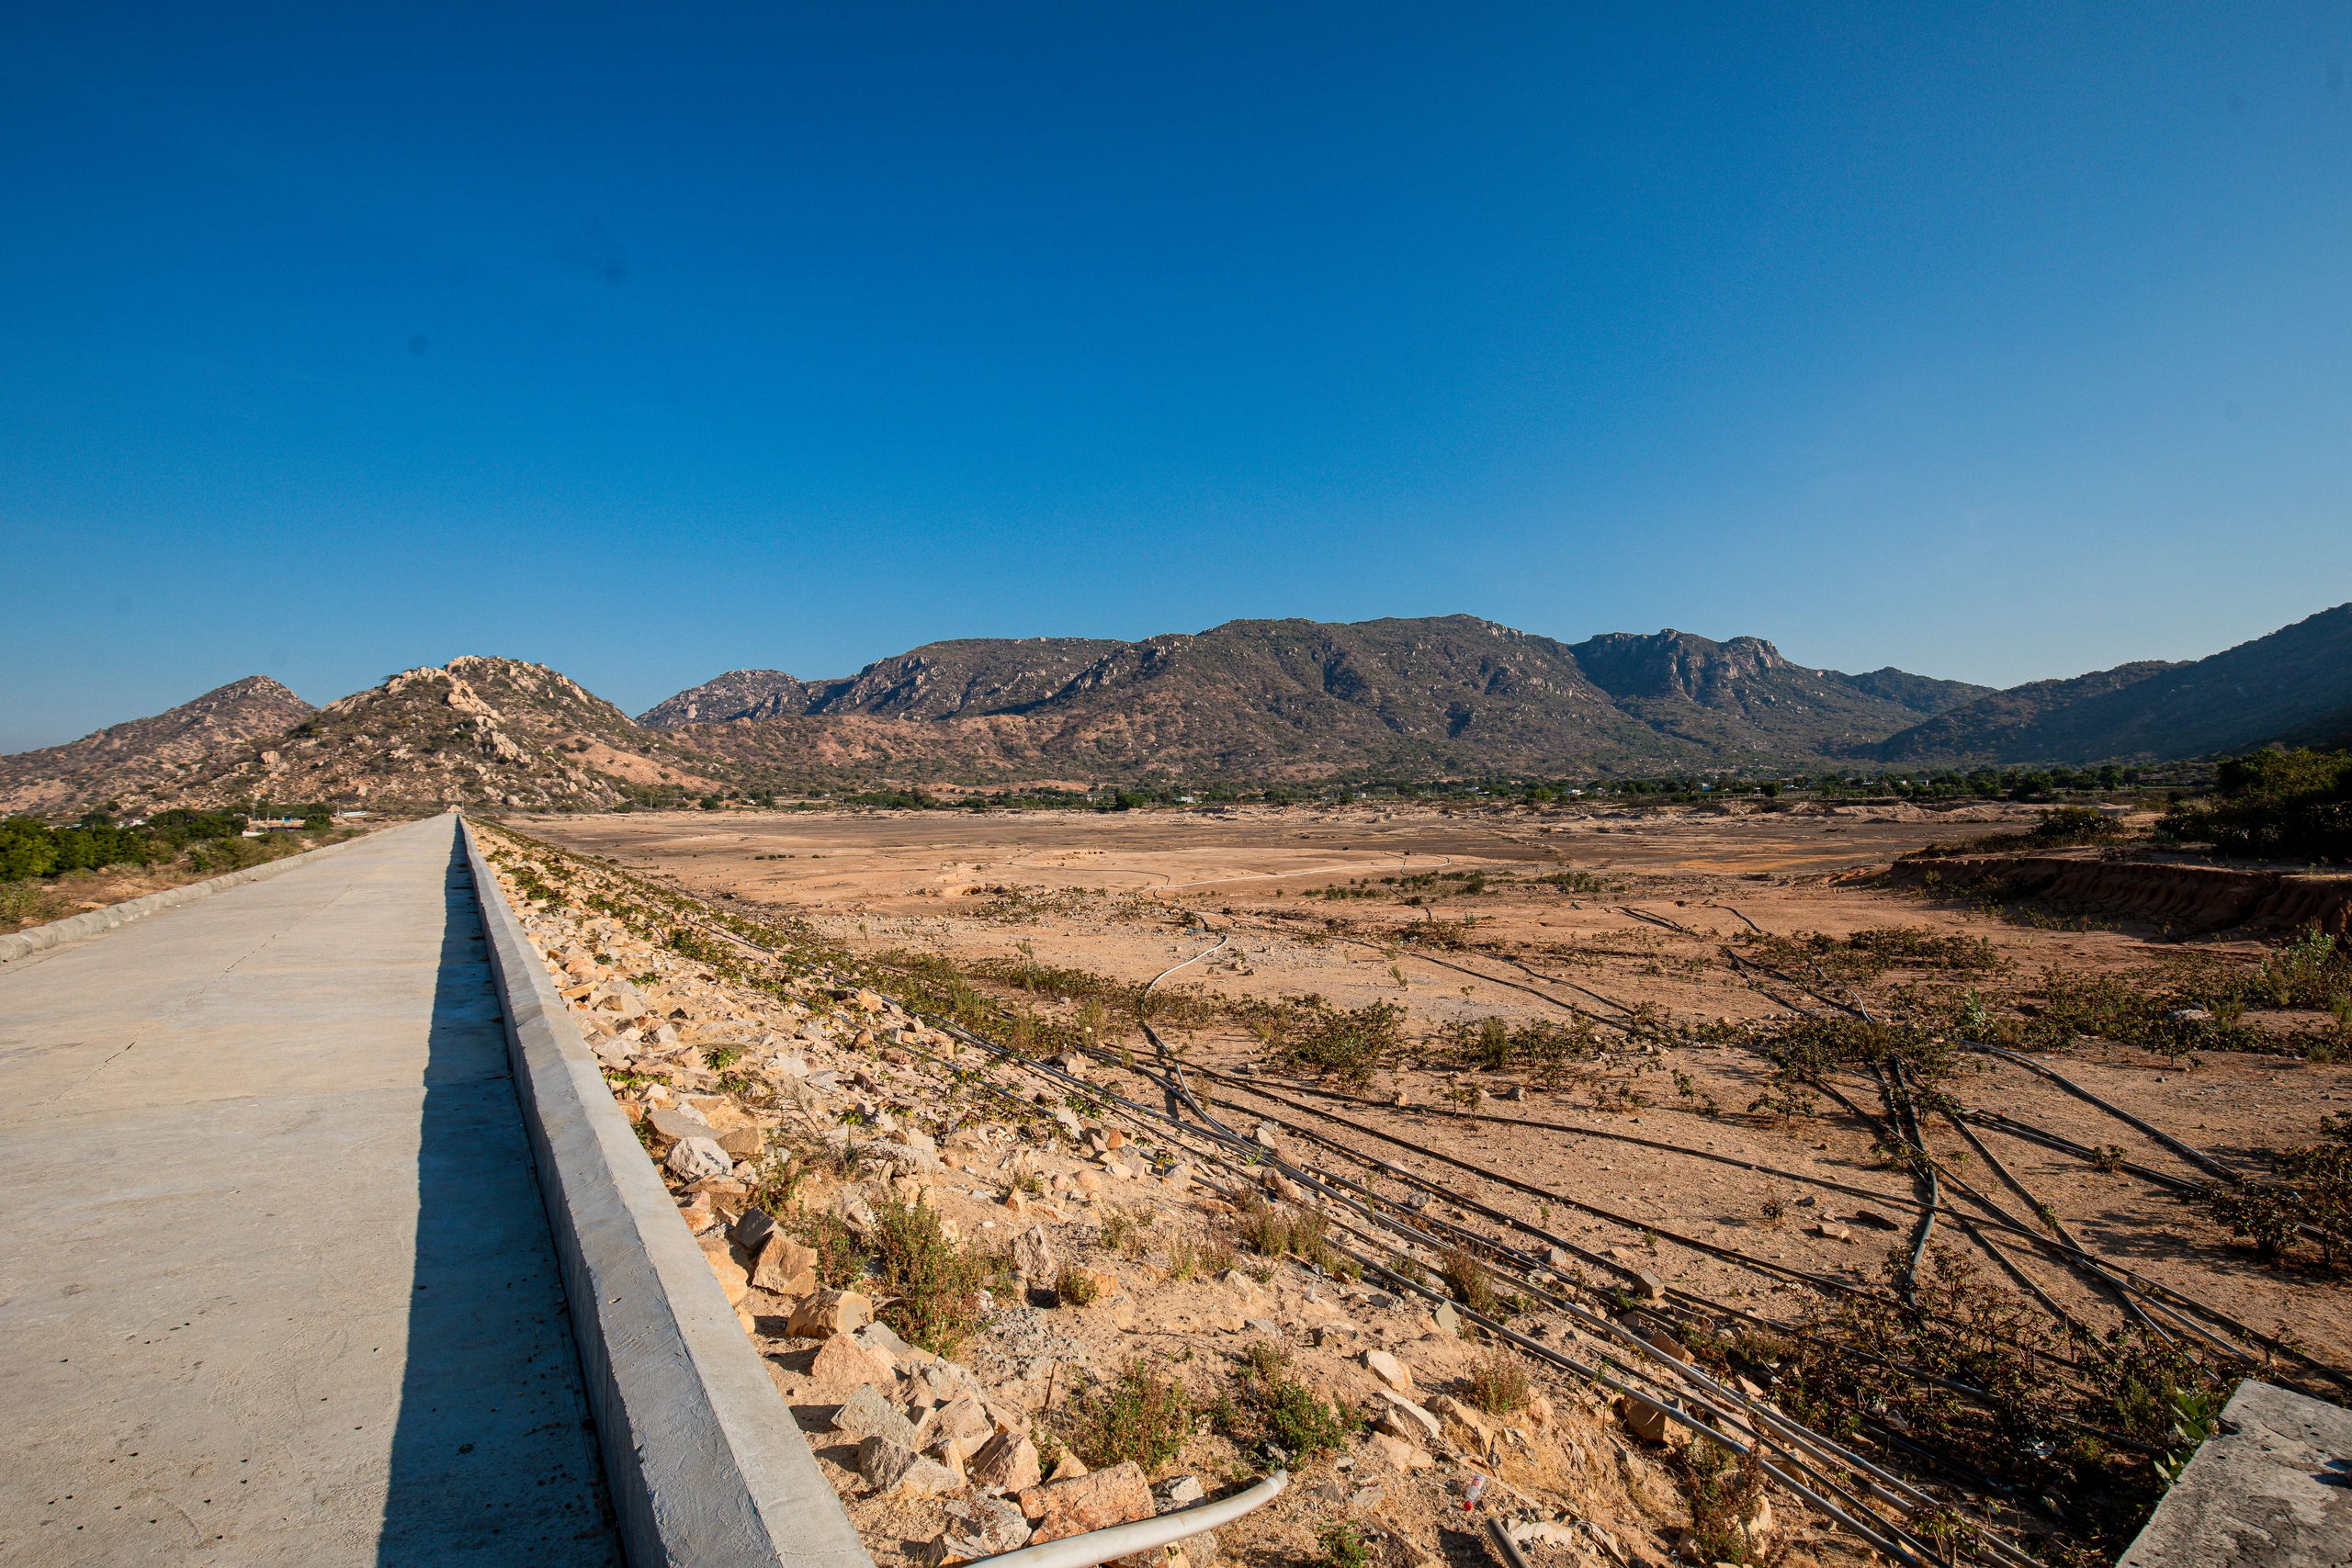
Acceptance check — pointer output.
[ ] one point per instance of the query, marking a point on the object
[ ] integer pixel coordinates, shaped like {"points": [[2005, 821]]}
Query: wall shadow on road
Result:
{"points": [[494, 1457]]}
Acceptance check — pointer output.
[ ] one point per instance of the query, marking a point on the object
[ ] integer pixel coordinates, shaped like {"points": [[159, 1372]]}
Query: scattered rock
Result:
{"points": [[785, 1266], [1062, 1508], [743, 1142], [828, 1313], [752, 1230], [1388, 1369], [888, 1466], [1400, 1454], [733, 1277], [1405, 1419], [1006, 1462], [977, 1526], [1177, 1492], [958, 1422], [1032, 1256], [867, 1413], [684, 1122], [1469, 1427], [1645, 1418], [696, 1159], [842, 1362], [1447, 1320]]}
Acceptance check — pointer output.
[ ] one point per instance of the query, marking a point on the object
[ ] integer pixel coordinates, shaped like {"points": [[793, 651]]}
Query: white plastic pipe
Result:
{"points": [[1101, 1546]]}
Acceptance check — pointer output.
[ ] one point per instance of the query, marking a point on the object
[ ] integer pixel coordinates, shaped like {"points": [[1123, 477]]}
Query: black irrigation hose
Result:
{"points": [[1225, 1135], [2076, 1256], [1822, 1281], [1923, 1169], [2063, 1144], [2195, 1157], [2025, 1280], [1729, 1255]]}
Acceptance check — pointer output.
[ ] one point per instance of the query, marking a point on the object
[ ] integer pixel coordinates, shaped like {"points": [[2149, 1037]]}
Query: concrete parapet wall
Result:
{"points": [[2272, 1489], [91, 922], [705, 1463]]}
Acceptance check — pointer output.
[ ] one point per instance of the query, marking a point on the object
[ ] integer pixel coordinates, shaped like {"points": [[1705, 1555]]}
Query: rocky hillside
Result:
{"points": [[146, 755], [1309, 699], [478, 731], [2295, 684]]}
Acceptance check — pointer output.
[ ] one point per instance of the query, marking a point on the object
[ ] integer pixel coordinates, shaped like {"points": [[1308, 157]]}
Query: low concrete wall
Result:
{"points": [[705, 1462], [92, 921], [2272, 1489]]}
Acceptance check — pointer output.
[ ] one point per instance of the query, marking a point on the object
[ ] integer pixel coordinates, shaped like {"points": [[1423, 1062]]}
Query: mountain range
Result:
{"points": [[1256, 701]]}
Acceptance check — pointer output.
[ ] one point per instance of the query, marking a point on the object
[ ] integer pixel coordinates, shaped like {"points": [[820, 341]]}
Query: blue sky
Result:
{"points": [[1995, 343]]}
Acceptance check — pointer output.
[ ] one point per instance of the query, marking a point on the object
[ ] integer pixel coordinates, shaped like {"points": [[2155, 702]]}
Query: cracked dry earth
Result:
{"points": [[938, 1458]]}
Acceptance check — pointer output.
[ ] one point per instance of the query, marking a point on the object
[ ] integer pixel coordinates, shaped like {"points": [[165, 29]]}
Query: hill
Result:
{"points": [[1247, 701], [1301, 699], [478, 731], [142, 755], [2294, 685]]}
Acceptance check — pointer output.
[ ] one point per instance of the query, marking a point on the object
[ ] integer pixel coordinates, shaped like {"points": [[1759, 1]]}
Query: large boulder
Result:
{"points": [[784, 1266], [1096, 1501], [1006, 1462], [866, 1413], [828, 1313], [698, 1159]]}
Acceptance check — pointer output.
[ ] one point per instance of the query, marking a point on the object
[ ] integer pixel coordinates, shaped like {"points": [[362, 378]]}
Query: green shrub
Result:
{"points": [[935, 1282], [2273, 805], [2311, 1185], [1342, 1548], [1309, 1032], [840, 1259], [1140, 1416]]}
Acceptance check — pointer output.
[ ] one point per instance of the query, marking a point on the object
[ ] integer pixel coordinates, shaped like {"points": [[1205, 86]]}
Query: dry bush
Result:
{"points": [[1468, 1280], [1723, 1490], [1075, 1287], [1122, 1231], [1498, 1384]]}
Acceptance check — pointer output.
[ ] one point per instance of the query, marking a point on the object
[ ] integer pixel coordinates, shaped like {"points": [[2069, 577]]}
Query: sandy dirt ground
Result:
{"points": [[1236, 897]]}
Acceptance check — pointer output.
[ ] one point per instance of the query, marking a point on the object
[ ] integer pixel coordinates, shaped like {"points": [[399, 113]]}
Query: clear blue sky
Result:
{"points": [[1999, 344]]}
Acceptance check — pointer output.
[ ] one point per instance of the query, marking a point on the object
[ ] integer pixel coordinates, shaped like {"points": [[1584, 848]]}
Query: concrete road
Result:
{"points": [[276, 1284]]}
